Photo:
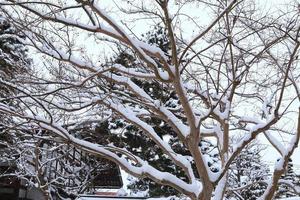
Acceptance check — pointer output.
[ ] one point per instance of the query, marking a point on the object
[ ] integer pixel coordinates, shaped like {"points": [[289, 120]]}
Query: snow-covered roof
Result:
{"points": [[95, 197]]}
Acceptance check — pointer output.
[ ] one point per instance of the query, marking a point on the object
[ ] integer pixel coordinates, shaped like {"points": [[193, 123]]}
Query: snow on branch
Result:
{"points": [[140, 168], [281, 164]]}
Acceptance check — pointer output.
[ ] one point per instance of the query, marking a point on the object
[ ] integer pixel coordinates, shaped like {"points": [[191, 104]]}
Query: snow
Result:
{"points": [[133, 113], [133, 71], [275, 142], [129, 115], [184, 129], [219, 189], [106, 198], [145, 168], [129, 198], [152, 48], [163, 75], [161, 198], [225, 114]]}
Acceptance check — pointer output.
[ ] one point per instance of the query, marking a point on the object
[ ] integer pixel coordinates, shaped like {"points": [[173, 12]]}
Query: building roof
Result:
{"points": [[95, 197], [109, 177]]}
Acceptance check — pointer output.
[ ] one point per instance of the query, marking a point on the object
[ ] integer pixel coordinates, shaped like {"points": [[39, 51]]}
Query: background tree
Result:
{"points": [[31, 155], [248, 173], [124, 135], [13, 61], [288, 179]]}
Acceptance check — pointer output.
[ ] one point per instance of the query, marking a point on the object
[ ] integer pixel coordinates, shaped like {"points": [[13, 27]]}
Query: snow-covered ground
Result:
{"points": [[162, 198], [292, 198]]}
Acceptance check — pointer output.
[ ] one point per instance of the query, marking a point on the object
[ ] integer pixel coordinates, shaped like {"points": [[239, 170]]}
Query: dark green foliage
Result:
{"points": [[124, 135], [127, 136], [13, 61], [248, 172], [291, 177], [158, 37], [13, 53]]}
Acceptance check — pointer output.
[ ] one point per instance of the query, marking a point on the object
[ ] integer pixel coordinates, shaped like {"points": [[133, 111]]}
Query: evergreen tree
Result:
{"points": [[291, 177], [248, 172], [19, 147], [13, 53], [13, 61], [124, 135]]}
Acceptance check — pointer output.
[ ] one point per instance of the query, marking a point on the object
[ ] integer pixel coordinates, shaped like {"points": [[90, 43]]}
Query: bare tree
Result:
{"points": [[238, 75]]}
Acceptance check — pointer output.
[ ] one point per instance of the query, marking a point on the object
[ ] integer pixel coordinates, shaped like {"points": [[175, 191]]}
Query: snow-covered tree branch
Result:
{"points": [[237, 75]]}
